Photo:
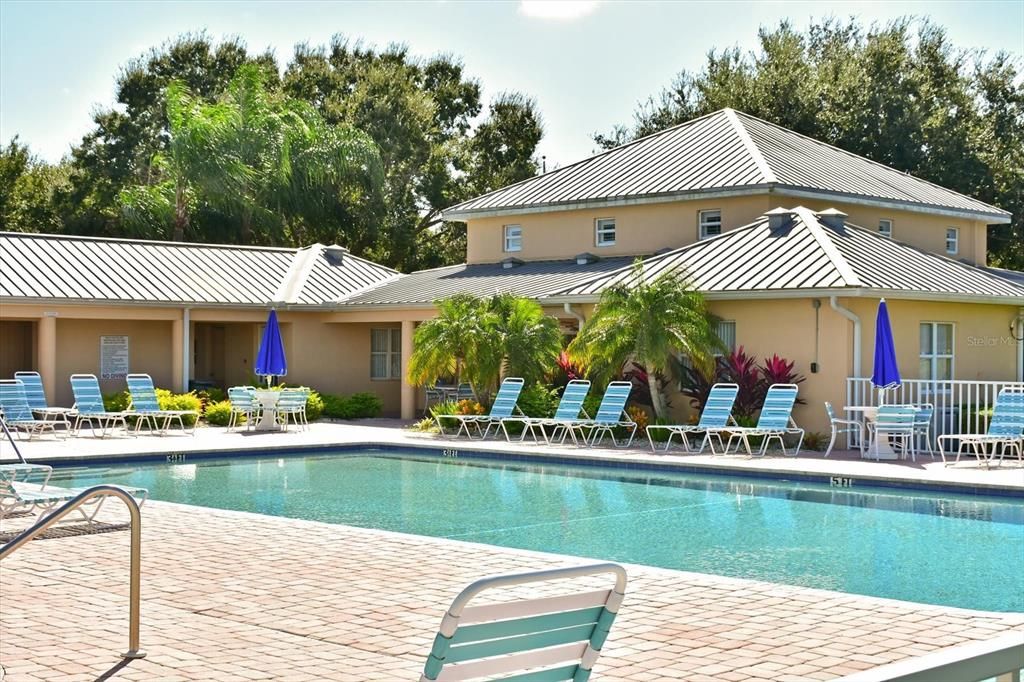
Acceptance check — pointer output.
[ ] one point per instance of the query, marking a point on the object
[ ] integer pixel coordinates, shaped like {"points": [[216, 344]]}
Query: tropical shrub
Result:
{"points": [[219, 413], [180, 401], [640, 416], [335, 406], [314, 406], [537, 400], [641, 392], [740, 369], [591, 403], [658, 435], [565, 371], [116, 402], [211, 395], [448, 408], [814, 440], [468, 407], [364, 405], [425, 425]]}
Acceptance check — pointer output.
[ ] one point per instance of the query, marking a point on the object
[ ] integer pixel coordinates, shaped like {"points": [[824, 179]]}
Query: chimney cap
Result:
{"points": [[778, 210], [335, 253], [835, 212], [832, 217]]}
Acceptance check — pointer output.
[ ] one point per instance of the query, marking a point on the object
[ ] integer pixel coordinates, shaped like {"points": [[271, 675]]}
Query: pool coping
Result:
{"points": [[626, 459]]}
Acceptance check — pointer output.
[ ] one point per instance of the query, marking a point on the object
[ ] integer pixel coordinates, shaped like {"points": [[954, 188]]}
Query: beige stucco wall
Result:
{"points": [[646, 228], [16, 347]]}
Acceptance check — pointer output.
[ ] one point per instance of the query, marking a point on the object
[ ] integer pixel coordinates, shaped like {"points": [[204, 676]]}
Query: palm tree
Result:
{"points": [[646, 320], [530, 340], [458, 342]]}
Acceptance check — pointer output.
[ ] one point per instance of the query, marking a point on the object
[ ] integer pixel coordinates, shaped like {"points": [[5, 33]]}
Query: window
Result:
{"points": [[513, 238], [885, 228], [952, 240], [710, 224], [727, 334], [385, 354], [936, 351], [605, 230]]}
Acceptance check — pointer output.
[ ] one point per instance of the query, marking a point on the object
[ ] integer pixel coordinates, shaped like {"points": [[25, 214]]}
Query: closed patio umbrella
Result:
{"points": [[885, 374], [270, 361]]}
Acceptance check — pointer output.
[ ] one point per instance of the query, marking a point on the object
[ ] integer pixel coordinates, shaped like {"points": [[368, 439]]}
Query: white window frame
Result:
{"points": [[885, 227], [508, 238], [602, 226], [718, 332], [701, 225], [953, 237], [392, 352], [933, 356]]}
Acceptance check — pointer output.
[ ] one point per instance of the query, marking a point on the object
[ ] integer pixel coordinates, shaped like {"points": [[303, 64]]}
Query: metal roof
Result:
{"points": [[531, 279], [69, 268], [724, 152], [806, 254]]}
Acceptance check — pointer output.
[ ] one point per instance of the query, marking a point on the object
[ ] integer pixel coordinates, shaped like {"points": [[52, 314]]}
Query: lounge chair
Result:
{"points": [[1005, 431], [36, 396], [292, 404], [569, 407], [715, 415], [611, 415], [146, 407], [16, 411], [243, 404], [543, 638], [774, 423], [28, 496], [504, 406], [89, 407]]}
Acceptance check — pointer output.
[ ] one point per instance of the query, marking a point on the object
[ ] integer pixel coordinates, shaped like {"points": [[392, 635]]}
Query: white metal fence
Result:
{"points": [[960, 406]]}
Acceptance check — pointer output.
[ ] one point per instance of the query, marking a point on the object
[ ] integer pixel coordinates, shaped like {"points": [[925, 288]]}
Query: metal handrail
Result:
{"points": [[136, 549], [10, 437]]}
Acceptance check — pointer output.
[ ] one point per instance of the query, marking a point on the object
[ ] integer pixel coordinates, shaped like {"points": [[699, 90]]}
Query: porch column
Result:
{"points": [[408, 390], [177, 355], [46, 340]]}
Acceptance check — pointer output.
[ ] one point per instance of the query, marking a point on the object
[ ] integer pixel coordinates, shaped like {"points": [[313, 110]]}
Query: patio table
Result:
{"points": [[268, 414], [883, 448]]}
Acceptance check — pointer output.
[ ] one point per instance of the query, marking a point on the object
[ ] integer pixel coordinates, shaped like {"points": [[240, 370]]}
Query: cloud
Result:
{"points": [[559, 10]]}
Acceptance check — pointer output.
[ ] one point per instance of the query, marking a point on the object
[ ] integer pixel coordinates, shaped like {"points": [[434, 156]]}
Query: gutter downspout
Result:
{"points": [[833, 302], [567, 307], [186, 347], [1020, 345]]}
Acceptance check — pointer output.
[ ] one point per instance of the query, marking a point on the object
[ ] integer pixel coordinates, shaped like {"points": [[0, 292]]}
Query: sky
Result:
{"points": [[587, 64]]}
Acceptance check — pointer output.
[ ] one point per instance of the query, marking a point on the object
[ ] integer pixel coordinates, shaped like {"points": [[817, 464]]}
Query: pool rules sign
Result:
{"points": [[113, 357]]}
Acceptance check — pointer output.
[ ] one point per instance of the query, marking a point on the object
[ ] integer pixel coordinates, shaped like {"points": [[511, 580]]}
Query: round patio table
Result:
{"points": [[268, 413]]}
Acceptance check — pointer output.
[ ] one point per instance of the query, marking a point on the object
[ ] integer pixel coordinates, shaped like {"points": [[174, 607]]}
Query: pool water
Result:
{"points": [[938, 549]]}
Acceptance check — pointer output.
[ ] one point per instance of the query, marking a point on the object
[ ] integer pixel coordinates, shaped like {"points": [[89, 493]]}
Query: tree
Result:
{"points": [[30, 190], [899, 94], [646, 321], [479, 339]]}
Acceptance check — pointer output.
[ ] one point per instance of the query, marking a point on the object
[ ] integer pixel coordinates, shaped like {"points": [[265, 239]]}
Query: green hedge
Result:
{"points": [[219, 413], [355, 406]]}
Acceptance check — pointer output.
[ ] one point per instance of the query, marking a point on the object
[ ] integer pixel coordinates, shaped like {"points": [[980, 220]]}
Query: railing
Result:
{"points": [[10, 437], [960, 406], [994, 660], [136, 549]]}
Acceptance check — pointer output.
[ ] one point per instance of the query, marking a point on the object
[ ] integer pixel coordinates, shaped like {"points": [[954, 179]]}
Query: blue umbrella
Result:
{"points": [[886, 373], [270, 361]]}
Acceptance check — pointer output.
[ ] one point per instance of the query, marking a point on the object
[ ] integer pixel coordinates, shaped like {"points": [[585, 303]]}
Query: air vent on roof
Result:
{"points": [[335, 253], [832, 217], [662, 250], [586, 258], [778, 217], [510, 263]]}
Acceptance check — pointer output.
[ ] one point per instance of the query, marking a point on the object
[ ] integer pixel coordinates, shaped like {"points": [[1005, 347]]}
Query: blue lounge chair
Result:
{"points": [[568, 412], [25, 488], [774, 423], [547, 638], [1005, 431], [16, 411], [715, 416], [89, 407], [611, 415], [504, 406], [36, 396], [146, 407]]}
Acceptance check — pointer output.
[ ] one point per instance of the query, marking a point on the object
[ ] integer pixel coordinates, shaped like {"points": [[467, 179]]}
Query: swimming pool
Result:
{"points": [[949, 550]]}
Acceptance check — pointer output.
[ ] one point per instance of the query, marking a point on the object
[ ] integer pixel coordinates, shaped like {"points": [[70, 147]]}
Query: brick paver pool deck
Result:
{"points": [[238, 596]]}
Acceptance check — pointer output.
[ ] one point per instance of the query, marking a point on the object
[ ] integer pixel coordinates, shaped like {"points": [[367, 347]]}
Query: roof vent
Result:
{"points": [[335, 254], [510, 263], [778, 217], [832, 217], [586, 258], [663, 250]]}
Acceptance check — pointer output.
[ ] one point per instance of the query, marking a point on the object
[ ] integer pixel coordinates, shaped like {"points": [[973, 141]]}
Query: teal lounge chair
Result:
{"points": [[292, 405], [36, 396], [16, 411], [89, 407], [504, 406], [611, 415], [715, 416], [568, 412], [774, 423], [146, 407], [243, 404], [1005, 431], [547, 638]]}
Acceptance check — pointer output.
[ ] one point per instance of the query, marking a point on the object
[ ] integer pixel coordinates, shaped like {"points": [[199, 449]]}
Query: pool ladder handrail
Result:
{"points": [[10, 437], [136, 549]]}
